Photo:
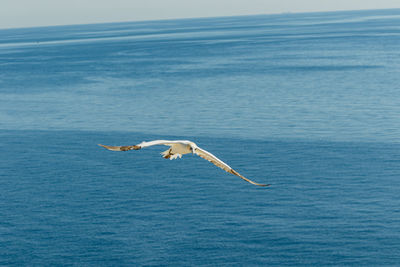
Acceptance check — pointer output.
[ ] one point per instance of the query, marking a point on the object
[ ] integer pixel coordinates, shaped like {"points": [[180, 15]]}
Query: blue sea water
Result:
{"points": [[306, 102]]}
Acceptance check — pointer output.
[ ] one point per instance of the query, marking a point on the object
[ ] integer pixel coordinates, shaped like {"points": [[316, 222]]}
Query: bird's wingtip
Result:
{"points": [[262, 185], [110, 147], [107, 147]]}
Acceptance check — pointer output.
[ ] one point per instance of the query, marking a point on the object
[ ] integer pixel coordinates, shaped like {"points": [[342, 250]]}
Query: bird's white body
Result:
{"points": [[179, 148]]}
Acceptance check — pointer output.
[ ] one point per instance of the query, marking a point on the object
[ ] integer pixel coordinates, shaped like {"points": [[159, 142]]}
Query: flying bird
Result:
{"points": [[179, 148]]}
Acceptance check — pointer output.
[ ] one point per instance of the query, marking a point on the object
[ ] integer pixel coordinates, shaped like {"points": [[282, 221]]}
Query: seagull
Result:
{"points": [[178, 148]]}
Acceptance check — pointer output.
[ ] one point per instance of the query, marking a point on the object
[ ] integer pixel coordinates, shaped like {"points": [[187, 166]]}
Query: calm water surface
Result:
{"points": [[305, 102]]}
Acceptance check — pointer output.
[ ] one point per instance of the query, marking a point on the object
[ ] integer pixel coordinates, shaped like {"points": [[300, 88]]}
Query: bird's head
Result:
{"points": [[193, 147]]}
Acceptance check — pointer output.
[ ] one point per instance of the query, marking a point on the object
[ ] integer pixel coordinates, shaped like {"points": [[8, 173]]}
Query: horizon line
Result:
{"points": [[195, 18]]}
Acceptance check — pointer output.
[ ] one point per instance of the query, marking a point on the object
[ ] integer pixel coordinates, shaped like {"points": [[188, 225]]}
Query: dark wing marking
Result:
{"points": [[121, 148]]}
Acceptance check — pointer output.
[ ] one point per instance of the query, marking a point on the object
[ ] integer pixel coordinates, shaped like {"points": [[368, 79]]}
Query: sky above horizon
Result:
{"points": [[28, 13]]}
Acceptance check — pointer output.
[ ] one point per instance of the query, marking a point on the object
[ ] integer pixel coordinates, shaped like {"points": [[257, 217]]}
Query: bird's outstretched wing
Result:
{"points": [[216, 161], [161, 142], [142, 145], [120, 148]]}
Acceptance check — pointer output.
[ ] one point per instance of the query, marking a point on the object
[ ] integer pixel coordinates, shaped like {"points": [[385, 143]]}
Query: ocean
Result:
{"points": [[308, 103]]}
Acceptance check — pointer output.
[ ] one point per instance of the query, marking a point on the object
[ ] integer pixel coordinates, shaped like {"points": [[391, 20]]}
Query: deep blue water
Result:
{"points": [[306, 102]]}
